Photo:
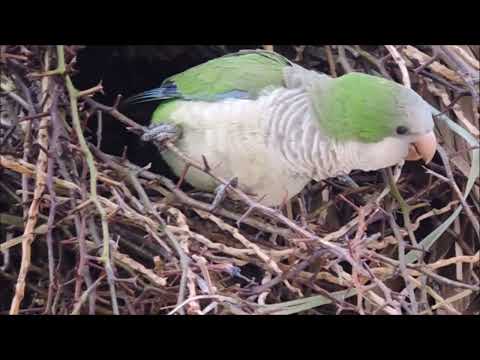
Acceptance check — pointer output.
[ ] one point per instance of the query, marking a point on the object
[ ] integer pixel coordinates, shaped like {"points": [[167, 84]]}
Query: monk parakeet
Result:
{"points": [[275, 125]]}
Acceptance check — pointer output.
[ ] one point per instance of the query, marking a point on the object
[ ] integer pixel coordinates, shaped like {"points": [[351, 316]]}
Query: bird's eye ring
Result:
{"points": [[402, 130]]}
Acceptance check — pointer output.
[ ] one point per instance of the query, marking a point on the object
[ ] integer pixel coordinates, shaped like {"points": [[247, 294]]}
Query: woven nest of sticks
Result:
{"points": [[87, 226]]}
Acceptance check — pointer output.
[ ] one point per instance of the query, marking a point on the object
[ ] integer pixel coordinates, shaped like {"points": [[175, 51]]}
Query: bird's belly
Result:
{"points": [[231, 137]]}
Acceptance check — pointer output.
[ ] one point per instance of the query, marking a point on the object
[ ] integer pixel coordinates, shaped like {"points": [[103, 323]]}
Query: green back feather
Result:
{"points": [[238, 75], [248, 72]]}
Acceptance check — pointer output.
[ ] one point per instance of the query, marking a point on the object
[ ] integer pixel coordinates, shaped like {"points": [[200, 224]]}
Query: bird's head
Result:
{"points": [[368, 109]]}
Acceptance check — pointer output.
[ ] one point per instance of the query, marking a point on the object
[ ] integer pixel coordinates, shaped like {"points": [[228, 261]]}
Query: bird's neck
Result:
{"points": [[294, 134]]}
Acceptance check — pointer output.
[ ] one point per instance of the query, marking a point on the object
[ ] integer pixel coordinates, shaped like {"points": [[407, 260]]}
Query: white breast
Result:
{"points": [[232, 136]]}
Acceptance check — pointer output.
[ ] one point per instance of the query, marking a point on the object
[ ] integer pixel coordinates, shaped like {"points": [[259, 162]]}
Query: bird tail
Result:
{"points": [[166, 91]]}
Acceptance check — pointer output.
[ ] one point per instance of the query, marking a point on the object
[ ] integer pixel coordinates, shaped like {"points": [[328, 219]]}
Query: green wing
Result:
{"points": [[239, 75]]}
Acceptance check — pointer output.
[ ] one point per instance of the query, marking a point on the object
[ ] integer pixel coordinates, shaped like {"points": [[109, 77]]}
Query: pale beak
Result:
{"points": [[423, 148]]}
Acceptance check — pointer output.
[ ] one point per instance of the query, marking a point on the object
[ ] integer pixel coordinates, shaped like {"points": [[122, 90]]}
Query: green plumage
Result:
{"points": [[248, 72], [244, 74], [362, 107], [163, 111]]}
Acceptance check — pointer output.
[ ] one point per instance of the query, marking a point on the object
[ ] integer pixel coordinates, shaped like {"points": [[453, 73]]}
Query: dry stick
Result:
{"points": [[429, 62], [184, 259], [82, 261], [73, 96], [341, 305], [405, 211], [40, 230], [422, 58], [34, 117], [4, 56], [403, 205], [455, 260], [15, 97], [78, 305], [91, 91], [112, 111], [290, 273], [405, 208], [6, 253], [422, 268], [184, 199], [202, 297], [135, 218], [125, 260], [331, 62], [299, 50], [53, 201], [453, 298], [80, 227], [79, 216], [27, 143], [188, 201], [401, 64], [272, 265], [243, 254], [386, 291], [40, 181], [35, 288], [370, 58], [78, 221], [441, 81], [451, 181], [9, 133], [447, 281], [132, 178], [122, 259], [193, 306], [184, 262], [402, 265], [400, 241], [434, 212], [342, 58], [203, 265], [390, 309], [451, 105], [356, 242], [440, 301], [465, 56], [354, 245], [27, 169], [453, 60]]}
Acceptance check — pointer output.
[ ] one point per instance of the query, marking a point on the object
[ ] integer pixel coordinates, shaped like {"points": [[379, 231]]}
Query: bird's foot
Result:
{"points": [[221, 193], [347, 180], [160, 134]]}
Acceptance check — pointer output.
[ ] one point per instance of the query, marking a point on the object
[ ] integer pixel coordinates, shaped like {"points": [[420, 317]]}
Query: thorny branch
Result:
{"points": [[112, 237]]}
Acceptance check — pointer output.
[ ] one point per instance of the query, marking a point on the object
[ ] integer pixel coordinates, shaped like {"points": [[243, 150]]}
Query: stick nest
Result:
{"points": [[86, 232]]}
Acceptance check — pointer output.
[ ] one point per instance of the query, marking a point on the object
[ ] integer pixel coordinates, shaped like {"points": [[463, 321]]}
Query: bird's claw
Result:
{"points": [[159, 134], [221, 193], [347, 180]]}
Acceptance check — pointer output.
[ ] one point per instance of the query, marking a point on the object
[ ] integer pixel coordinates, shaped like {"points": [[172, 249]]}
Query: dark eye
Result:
{"points": [[402, 130]]}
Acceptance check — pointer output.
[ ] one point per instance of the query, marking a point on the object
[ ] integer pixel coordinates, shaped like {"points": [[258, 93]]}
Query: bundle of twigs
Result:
{"points": [[85, 232]]}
